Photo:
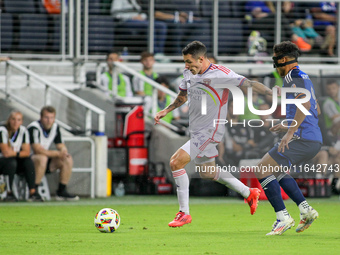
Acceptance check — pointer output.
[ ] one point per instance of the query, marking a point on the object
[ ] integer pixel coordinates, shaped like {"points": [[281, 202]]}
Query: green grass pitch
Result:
{"points": [[220, 226]]}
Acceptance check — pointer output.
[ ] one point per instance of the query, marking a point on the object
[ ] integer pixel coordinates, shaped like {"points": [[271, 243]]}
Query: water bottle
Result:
{"points": [[125, 51], [308, 14], [191, 17], [176, 19], [120, 190]]}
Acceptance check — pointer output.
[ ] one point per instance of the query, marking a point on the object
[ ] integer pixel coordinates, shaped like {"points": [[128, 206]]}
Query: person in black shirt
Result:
{"points": [[184, 24]]}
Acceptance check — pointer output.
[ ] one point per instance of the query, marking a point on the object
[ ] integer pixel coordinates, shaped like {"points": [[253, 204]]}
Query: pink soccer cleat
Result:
{"points": [[253, 199], [180, 220]]}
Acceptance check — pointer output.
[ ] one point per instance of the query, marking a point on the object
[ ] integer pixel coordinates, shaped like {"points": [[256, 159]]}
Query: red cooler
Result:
{"points": [[134, 130]]}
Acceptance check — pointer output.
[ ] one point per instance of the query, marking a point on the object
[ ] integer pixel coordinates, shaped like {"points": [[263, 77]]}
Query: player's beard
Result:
{"points": [[280, 72], [194, 70]]}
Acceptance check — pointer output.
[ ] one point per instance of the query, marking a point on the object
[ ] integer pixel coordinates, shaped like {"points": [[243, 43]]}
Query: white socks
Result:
{"points": [[182, 182], [231, 182], [282, 215], [303, 207]]}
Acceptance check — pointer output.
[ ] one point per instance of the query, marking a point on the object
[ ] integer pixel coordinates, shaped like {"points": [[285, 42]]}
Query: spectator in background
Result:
{"points": [[237, 143], [43, 133], [184, 23], [2, 58], [295, 18], [329, 155], [257, 101], [303, 28], [15, 155], [140, 87], [264, 139], [331, 107], [164, 100], [123, 82], [324, 14], [52, 6], [273, 79], [261, 17], [129, 14]]}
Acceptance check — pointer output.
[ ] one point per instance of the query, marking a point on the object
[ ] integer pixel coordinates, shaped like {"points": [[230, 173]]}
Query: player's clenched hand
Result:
{"points": [[63, 154], [278, 128], [160, 115], [278, 90], [284, 142]]}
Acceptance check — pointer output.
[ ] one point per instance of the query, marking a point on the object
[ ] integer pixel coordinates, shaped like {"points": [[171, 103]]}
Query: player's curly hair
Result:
{"points": [[287, 48], [196, 49]]}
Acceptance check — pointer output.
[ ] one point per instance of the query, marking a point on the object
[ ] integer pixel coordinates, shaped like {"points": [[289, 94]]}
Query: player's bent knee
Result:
{"points": [[323, 154], [179, 160], [177, 163], [69, 161], [40, 159]]}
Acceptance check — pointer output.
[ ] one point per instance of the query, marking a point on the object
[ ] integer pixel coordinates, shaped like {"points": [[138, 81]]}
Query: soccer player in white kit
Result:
{"points": [[201, 78]]}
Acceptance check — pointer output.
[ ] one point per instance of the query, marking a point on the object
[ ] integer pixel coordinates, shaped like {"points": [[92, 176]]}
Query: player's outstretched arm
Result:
{"points": [[180, 100], [258, 87]]}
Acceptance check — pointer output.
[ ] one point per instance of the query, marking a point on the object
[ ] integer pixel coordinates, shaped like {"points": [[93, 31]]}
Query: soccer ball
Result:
{"points": [[107, 220]]}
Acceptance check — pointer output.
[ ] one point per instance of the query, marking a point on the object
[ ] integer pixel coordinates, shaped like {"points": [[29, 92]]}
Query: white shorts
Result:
{"points": [[201, 148]]}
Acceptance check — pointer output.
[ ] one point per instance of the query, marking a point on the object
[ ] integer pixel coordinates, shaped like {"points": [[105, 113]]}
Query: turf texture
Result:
{"points": [[220, 226]]}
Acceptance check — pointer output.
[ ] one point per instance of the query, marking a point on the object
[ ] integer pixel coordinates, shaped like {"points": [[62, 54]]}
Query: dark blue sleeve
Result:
{"points": [[297, 82]]}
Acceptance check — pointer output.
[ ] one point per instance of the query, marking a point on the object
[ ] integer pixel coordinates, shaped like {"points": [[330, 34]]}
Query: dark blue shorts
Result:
{"points": [[299, 152]]}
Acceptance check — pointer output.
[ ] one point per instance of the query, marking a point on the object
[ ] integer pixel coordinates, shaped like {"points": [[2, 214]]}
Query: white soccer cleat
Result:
{"points": [[306, 219], [279, 227]]}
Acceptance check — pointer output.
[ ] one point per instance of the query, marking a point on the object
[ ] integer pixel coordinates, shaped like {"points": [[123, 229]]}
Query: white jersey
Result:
{"points": [[43, 137], [17, 140], [216, 98]]}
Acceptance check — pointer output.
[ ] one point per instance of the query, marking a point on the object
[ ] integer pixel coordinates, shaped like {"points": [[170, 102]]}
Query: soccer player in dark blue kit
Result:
{"points": [[301, 142]]}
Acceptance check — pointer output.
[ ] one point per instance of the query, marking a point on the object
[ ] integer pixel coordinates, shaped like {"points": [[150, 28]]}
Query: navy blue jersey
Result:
{"points": [[309, 128]]}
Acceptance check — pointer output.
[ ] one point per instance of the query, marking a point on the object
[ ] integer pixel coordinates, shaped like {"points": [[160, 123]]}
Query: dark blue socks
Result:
{"points": [[273, 192], [290, 186]]}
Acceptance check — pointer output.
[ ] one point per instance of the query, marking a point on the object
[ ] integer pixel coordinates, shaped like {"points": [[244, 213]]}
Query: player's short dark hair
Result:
{"points": [[196, 49], [47, 108], [162, 79], [331, 81], [146, 54], [112, 52], [287, 48]]}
